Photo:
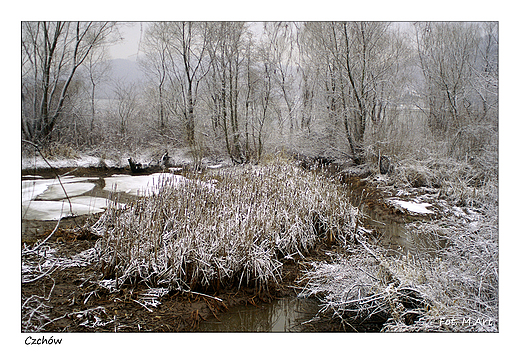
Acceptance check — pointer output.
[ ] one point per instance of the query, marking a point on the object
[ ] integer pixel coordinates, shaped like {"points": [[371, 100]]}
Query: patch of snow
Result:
{"points": [[142, 185], [419, 208]]}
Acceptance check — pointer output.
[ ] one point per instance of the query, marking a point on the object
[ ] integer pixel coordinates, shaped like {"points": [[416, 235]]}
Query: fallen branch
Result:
{"points": [[202, 294]]}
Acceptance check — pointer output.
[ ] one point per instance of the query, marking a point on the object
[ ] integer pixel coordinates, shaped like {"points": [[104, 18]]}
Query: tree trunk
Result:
{"points": [[190, 118]]}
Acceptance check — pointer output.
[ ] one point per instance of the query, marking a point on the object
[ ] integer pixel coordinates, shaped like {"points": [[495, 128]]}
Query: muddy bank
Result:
{"points": [[77, 303]]}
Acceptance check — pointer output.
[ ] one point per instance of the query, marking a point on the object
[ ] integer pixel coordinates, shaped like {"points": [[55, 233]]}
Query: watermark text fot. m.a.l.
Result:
{"points": [[468, 323]]}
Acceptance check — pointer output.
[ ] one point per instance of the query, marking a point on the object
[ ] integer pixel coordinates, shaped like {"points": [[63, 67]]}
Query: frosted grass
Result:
{"points": [[452, 275], [235, 232]]}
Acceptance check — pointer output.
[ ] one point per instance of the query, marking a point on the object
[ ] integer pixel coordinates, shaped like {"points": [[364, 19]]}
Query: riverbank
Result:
{"points": [[66, 292], [252, 270], [357, 254]]}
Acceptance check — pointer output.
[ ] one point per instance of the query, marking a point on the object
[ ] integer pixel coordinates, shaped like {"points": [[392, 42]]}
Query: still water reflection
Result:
{"points": [[282, 315]]}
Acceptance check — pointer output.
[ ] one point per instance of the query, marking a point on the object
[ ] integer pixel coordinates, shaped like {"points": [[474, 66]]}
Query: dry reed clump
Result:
{"points": [[228, 227]]}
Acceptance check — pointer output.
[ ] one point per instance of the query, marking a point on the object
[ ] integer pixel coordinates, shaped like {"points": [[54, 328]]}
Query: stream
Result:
{"points": [[282, 315]]}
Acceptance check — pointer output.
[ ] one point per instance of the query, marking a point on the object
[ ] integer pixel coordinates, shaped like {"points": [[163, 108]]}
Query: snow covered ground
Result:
{"points": [[82, 161], [412, 206]]}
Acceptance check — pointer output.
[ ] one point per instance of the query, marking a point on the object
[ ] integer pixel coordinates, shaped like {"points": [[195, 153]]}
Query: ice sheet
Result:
{"points": [[33, 188], [52, 210], [55, 191]]}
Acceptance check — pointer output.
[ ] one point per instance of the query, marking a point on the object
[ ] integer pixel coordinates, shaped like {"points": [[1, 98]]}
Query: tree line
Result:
{"points": [[241, 88]]}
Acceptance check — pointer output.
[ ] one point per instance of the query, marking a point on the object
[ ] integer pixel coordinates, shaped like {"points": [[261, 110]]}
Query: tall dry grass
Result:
{"points": [[228, 227]]}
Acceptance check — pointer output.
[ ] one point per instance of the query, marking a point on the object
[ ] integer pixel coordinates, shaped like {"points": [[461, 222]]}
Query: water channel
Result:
{"points": [[287, 314]]}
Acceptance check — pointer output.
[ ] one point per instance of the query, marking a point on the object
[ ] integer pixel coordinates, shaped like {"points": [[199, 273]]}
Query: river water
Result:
{"points": [[282, 315]]}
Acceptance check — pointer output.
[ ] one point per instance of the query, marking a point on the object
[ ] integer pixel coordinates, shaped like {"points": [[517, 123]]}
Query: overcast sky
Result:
{"points": [[128, 48], [132, 33]]}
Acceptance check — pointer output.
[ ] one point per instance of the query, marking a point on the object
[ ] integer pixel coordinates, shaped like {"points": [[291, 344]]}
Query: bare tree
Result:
{"points": [[358, 61], [125, 106], [447, 53], [308, 72], [189, 44], [52, 52], [485, 70], [227, 57], [281, 40], [176, 53], [156, 64], [264, 99], [97, 69]]}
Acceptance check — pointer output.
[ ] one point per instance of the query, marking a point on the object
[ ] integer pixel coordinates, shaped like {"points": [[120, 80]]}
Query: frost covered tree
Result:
{"points": [[281, 42], [459, 62], [227, 52], [358, 61], [177, 60], [52, 52], [156, 66], [447, 51], [97, 71]]}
